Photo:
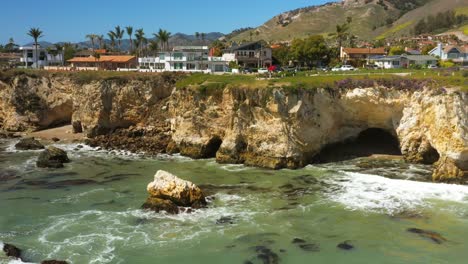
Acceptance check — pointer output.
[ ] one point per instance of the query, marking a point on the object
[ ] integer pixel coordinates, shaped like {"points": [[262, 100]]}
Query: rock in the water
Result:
{"points": [[11, 251], [55, 139], [29, 144], [345, 246], [167, 186], [52, 157], [157, 205], [54, 262], [434, 236]]}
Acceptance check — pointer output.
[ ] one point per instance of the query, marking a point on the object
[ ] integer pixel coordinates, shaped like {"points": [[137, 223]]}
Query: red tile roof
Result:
{"points": [[379, 51], [115, 59]]}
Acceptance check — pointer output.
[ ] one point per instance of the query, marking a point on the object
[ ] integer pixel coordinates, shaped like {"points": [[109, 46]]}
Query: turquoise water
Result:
{"points": [[89, 212]]}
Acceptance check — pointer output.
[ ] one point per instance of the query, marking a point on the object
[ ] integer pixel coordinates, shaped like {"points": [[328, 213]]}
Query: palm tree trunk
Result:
{"points": [[37, 56]]}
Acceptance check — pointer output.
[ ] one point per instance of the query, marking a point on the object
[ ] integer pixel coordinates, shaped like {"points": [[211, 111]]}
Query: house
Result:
{"points": [[105, 62], [185, 59], [45, 57], [9, 59], [252, 54], [403, 61], [359, 54], [458, 54]]}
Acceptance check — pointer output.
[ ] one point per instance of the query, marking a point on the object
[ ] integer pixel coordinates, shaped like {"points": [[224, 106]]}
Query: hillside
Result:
{"points": [[370, 19]]}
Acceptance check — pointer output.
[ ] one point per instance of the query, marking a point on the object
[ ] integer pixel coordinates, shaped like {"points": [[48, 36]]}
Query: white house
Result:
{"points": [[458, 54], [185, 59], [403, 61], [44, 58], [252, 54]]}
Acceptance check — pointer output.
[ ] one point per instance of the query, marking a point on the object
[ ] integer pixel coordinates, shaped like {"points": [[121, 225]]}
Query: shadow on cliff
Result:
{"points": [[369, 142]]}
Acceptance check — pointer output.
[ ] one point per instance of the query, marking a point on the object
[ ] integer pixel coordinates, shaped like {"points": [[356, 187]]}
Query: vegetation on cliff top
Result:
{"points": [[305, 80]]}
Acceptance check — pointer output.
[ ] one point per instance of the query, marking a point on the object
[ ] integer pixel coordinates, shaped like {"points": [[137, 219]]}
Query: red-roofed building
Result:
{"points": [[105, 62], [350, 54]]}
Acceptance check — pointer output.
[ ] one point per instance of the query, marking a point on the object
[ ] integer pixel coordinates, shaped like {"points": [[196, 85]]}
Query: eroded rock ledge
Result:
{"points": [[268, 127]]}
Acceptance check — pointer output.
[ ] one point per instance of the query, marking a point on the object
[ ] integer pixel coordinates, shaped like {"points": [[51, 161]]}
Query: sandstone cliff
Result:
{"points": [[267, 127]]}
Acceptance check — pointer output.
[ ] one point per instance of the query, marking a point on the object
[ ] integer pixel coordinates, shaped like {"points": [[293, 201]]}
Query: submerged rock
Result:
{"points": [[434, 236], [12, 251], [52, 157], [157, 205], [167, 191], [54, 262], [29, 144], [345, 246]]}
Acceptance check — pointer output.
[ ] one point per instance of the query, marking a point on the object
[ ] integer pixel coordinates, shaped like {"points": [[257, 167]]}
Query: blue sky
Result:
{"points": [[65, 20]]}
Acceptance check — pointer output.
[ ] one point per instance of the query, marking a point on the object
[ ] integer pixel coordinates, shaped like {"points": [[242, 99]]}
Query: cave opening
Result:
{"points": [[212, 147], [369, 142]]}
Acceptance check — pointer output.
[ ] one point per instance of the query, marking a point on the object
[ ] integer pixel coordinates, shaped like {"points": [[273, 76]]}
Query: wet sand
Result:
{"points": [[63, 133]]}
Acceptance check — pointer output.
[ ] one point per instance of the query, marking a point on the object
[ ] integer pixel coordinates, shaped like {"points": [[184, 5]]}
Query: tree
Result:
{"points": [[92, 38], [139, 40], [129, 30], [397, 50], [341, 33], [426, 49], [310, 51], [36, 34], [203, 36], [218, 47], [197, 35], [282, 55], [100, 38], [251, 35], [11, 46], [60, 50], [163, 37], [153, 47], [119, 33], [112, 38]]}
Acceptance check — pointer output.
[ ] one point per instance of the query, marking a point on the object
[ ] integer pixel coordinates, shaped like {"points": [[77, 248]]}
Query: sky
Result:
{"points": [[71, 21]]}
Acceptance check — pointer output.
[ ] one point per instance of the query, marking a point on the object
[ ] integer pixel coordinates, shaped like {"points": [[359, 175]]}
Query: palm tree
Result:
{"points": [[153, 47], [92, 38], [100, 38], [112, 38], [251, 35], [35, 33], [197, 35], [139, 40], [60, 50], [163, 36], [129, 30], [202, 36], [341, 33], [119, 33]]}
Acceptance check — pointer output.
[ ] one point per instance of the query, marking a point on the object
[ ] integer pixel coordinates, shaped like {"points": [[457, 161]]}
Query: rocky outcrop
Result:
{"points": [[167, 192], [281, 128], [29, 144], [11, 251], [52, 157], [270, 127]]}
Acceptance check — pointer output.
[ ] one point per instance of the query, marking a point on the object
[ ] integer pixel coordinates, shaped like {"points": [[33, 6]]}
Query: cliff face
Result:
{"points": [[272, 128], [281, 128]]}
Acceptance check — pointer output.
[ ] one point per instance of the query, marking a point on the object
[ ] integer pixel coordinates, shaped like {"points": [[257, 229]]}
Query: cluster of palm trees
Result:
{"points": [[139, 43], [200, 36]]}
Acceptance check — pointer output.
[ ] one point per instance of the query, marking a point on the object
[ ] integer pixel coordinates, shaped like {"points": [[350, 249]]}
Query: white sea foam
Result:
{"points": [[76, 197], [234, 167], [173, 157], [358, 191], [18, 261]]}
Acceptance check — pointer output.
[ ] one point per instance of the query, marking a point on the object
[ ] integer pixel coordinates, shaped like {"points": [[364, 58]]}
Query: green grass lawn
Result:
{"points": [[437, 78]]}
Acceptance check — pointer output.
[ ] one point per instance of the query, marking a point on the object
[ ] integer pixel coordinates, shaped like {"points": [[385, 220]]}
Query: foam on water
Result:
{"points": [[76, 197], [358, 191], [104, 231]]}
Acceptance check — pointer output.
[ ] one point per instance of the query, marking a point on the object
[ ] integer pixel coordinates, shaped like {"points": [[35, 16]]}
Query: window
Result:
{"points": [[30, 54], [396, 63], [191, 66], [162, 56], [178, 66], [178, 56], [159, 66]]}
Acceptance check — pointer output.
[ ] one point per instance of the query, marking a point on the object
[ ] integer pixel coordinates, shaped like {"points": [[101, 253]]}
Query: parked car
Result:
{"points": [[344, 68], [432, 67], [247, 70], [372, 67], [262, 70], [323, 68]]}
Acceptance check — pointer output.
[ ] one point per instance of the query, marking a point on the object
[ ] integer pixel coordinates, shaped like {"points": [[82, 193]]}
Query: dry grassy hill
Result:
{"points": [[370, 19]]}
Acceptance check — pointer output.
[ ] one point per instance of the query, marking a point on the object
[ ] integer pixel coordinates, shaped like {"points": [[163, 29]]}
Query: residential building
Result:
{"points": [[9, 59], [458, 54], [45, 57], [104, 62], [360, 54], [185, 59], [252, 54], [403, 61]]}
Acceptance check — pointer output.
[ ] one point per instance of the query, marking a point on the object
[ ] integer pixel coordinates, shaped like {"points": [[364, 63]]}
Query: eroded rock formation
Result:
{"points": [[267, 127]]}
